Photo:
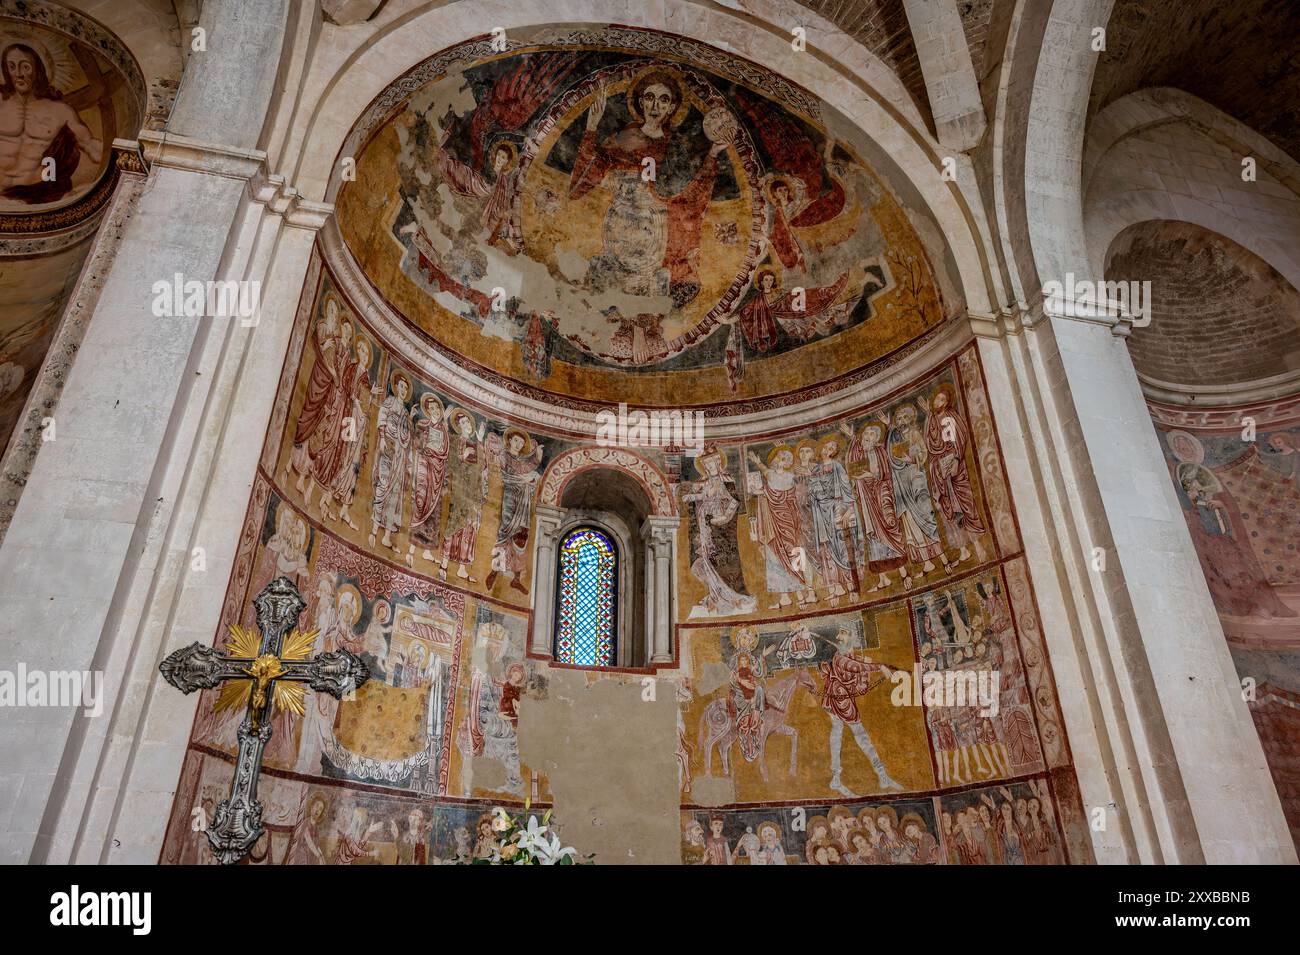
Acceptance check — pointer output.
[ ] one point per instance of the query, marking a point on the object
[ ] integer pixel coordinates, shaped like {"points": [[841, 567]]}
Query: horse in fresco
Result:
{"points": [[718, 729]]}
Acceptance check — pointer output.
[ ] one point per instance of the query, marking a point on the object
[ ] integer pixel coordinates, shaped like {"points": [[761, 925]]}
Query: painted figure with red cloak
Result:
{"points": [[779, 529], [946, 441], [651, 230], [873, 488], [320, 449], [429, 463]]}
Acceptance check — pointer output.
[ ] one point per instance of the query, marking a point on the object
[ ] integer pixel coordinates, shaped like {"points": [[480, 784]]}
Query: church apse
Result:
{"points": [[826, 573]]}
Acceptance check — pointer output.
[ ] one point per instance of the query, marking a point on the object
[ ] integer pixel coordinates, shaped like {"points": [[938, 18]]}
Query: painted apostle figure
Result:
{"points": [[715, 554], [467, 491], [518, 459], [391, 461], [429, 462]]}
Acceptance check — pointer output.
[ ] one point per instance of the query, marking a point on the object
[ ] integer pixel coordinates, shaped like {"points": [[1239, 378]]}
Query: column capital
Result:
{"points": [[659, 530]]}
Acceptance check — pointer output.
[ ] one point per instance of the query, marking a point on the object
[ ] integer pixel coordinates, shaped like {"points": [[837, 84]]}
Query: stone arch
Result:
{"points": [[839, 71], [1136, 168], [572, 463]]}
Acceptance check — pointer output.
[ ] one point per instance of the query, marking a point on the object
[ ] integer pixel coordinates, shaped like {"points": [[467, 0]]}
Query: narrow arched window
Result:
{"points": [[586, 598]]}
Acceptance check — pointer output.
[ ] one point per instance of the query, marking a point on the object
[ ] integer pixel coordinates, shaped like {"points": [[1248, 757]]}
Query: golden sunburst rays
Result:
{"points": [[298, 645], [285, 695], [243, 642]]}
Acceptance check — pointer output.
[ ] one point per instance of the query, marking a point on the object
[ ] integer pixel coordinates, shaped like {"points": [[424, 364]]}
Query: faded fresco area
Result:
{"points": [[606, 217], [407, 518], [1236, 472]]}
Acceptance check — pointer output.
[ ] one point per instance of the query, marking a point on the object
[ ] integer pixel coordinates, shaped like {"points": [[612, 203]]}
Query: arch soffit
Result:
{"points": [[571, 463]]}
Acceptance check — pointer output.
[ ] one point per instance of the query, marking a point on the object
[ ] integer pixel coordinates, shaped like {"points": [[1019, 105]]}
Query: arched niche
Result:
{"points": [[618, 501]]}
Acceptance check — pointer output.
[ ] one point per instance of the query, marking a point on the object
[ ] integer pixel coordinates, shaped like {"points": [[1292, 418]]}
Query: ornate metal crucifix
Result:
{"points": [[264, 676]]}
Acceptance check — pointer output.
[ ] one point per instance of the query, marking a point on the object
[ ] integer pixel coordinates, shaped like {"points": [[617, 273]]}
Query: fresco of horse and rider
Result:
{"points": [[816, 571]]}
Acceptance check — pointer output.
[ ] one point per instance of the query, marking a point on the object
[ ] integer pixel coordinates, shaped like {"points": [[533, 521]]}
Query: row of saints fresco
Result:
{"points": [[405, 517], [597, 215], [872, 504]]}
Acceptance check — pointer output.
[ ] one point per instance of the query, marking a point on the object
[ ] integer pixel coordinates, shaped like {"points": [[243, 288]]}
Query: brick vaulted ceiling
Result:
{"points": [[1241, 56], [1220, 315]]}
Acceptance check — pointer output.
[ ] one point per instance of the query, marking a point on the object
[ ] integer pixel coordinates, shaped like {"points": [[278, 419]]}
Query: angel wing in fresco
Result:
{"points": [[516, 96], [795, 154]]}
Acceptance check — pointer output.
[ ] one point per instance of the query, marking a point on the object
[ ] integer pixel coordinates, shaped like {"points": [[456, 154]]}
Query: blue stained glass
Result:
{"points": [[585, 591]]}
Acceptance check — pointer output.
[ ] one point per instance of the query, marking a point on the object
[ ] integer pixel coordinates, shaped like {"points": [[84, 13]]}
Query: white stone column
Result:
{"points": [[84, 542], [549, 519], [660, 536], [1172, 743]]}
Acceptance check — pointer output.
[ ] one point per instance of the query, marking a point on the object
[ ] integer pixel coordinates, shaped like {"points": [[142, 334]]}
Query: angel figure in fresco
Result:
{"points": [[343, 487], [499, 196], [845, 678], [518, 457], [466, 490], [801, 313], [651, 229], [946, 441], [429, 463], [36, 124], [806, 190], [785, 197], [873, 488], [779, 529], [320, 445], [715, 553], [908, 458], [392, 455]]}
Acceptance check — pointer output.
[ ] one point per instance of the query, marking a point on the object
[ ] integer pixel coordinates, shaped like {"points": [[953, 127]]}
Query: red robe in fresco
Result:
{"points": [[874, 489], [949, 476], [780, 531], [760, 314], [430, 465], [330, 390], [847, 678], [625, 150]]}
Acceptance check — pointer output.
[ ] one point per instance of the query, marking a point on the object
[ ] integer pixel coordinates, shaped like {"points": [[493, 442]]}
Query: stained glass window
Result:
{"points": [[585, 599]]}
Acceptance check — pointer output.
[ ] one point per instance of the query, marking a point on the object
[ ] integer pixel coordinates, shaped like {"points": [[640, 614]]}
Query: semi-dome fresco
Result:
{"points": [[621, 215]]}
